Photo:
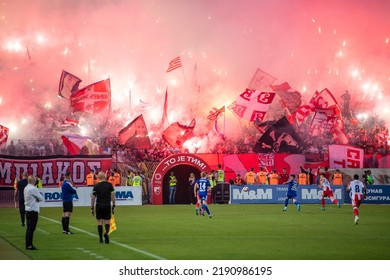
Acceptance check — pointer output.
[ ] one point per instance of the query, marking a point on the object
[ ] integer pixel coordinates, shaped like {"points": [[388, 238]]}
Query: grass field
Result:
{"points": [[236, 232]]}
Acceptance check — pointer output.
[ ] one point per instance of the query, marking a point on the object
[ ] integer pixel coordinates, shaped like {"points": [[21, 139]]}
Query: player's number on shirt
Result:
{"points": [[202, 186], [357, 188]]}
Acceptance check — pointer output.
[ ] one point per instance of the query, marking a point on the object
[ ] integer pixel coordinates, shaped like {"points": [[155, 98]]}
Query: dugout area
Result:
{"points": [[182, 173]]}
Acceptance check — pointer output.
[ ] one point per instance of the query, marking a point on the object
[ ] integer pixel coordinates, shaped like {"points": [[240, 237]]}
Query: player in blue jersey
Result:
{"points": [[292, 193], [201, 189]]}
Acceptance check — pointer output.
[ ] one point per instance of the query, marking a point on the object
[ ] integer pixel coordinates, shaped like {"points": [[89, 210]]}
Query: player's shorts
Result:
{"points": [[67, 206], [291, 195], [327, 193], [202, 197], [357, 200], [103, 212]]}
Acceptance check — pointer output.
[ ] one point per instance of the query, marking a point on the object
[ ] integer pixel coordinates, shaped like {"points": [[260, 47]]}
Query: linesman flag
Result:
{"points": [[112, 224], [174, 64]]}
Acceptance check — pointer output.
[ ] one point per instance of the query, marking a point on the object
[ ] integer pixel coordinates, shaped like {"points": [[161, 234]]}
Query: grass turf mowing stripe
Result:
{"points": [[10, 252], [113, 242]]}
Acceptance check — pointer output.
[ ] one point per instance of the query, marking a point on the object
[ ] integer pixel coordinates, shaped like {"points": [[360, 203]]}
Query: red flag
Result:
{"points": [[290, 99], [92, 99], [323, 121], [174, 64], [327, 116], [69, 122], [252, 105], [78, 144], [320, 100], [69, 84], [135, 134], [261, 80], [3, 136], [176, 134], [215, 113]]}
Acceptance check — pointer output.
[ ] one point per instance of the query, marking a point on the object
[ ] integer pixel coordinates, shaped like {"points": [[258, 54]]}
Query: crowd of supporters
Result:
{"points": [[370, 134]]}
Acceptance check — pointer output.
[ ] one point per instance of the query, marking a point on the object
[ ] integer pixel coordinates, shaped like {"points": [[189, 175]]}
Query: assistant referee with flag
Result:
{"points": [[103, 194]]}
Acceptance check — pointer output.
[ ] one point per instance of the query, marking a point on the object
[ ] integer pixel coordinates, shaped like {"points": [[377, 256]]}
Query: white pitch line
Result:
{"points": [[43, 231], [113, 242]]}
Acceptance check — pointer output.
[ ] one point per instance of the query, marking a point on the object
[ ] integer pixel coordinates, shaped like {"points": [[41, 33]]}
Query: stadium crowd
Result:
{"points": [[369, 133]]}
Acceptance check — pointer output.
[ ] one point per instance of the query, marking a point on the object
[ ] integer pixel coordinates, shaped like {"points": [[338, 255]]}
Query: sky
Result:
{"points": [[339, 45]]}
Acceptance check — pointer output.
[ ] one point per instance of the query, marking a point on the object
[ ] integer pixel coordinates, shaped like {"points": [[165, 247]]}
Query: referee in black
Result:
{"points": [[103, 194]]}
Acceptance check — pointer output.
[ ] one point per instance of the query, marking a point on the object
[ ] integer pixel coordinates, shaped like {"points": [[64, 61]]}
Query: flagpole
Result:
{"points": [[89, 71], [184, 78], [224, 122], [130, 100]]}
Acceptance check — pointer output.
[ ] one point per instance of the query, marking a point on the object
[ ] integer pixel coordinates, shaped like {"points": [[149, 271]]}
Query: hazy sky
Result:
{"points": [[311, 44]]}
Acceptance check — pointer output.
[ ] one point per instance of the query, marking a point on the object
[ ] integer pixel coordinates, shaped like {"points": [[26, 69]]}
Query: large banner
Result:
{"points": [[259, 194], [376, 194], [344, 156], [123, 196], [51, 168]]}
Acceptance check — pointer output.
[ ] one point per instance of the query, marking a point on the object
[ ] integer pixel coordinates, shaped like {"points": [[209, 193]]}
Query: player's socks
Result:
{"points": [[298, 206], [196, 211], [63, 224], [355, 211], [100, 231], [286, 203], [356, 220], [205, 208], [107, 230], [66, 224], [323, 203], [197, 205]]}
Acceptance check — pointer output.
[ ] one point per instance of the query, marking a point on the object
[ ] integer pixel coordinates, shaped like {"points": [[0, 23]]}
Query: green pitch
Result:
{"points": [[242, 232]]}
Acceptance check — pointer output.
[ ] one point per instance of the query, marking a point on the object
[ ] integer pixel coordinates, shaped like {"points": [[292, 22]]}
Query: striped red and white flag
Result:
{"points": [[3, 136], [69, 122], [174, 64]]}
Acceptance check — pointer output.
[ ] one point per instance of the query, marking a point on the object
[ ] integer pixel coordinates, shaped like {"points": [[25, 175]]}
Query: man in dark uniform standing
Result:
{"points": [[68, 191], [103, 194], [19, 194]]}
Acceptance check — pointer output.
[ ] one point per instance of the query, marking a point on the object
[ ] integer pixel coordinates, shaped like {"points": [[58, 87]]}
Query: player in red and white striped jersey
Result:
{"points": [[326, 191], [356, 191]]}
